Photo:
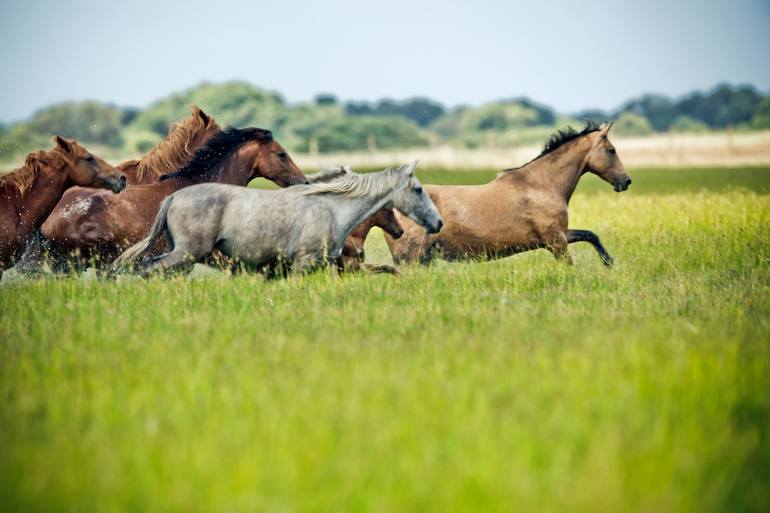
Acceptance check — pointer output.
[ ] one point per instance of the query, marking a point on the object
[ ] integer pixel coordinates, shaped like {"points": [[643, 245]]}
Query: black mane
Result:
{"points": [[565, 135], [559, 139], [218, 148]]}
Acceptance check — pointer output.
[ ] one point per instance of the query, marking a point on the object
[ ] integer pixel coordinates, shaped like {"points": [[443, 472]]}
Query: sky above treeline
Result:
{"points": [[568, 55]]}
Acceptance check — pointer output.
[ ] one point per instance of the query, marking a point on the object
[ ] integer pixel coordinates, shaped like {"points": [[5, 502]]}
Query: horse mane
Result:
{"points": [[174, 151], [563, 136], [22, 178], [218, 148], [328, 174], [559, 139], [349, 184]]}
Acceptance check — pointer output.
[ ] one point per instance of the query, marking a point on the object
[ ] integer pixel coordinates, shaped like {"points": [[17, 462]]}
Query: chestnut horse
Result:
{"points": [[184, 138], [522, 209], [101, 226], [352, 256], [29, 193]]}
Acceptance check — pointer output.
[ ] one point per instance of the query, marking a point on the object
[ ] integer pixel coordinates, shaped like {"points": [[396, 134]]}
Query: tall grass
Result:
{"points": [[513, 385]]}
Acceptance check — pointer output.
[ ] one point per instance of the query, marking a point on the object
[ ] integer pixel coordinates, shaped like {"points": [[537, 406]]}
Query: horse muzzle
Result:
{"points": [[622, 184], [117, 184], [435, 228]]}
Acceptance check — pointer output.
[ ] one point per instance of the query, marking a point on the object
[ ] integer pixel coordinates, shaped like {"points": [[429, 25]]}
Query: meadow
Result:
{"points": [[515, 385]]}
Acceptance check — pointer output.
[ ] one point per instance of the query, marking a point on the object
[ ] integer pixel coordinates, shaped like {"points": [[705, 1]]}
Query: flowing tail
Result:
{"points": [[138, 250]]}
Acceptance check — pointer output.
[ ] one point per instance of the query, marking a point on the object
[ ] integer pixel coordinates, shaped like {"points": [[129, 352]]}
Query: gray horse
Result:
{"points": [[301, 227]]}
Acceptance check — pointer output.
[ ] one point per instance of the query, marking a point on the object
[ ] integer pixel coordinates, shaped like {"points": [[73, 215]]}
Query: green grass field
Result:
{"points": [[513, 385]]}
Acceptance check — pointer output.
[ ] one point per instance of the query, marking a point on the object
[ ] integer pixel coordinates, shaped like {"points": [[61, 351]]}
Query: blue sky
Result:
{"points": [[570, 55]]}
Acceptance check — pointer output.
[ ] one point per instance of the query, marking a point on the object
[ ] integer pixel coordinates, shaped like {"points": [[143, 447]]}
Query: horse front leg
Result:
{"points": [[593, 239]]}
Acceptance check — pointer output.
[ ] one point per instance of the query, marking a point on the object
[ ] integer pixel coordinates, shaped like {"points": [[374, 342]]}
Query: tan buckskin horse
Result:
{"points": [[29, 193], [184, 138], [522, 209], [99, 228]]}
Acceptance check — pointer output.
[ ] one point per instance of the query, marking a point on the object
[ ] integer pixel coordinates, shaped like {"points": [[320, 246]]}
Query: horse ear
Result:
{"points": [[409, 168], [605, 127], [63, 144], [197, 111]]}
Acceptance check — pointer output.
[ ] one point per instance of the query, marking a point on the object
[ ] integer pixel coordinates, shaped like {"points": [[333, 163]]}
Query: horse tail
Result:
{"points": [[141, 248]]}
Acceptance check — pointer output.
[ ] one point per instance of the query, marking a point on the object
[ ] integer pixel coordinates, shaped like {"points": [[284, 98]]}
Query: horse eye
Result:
{"points": [[418, 190], [611, 151], [282, 155], [90, 158]]}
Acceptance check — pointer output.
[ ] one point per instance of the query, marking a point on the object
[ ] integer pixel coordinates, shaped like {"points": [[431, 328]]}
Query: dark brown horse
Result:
{"points": [[184, 138], [522, 209], [99, 227], [352, 258], [29, 193]]}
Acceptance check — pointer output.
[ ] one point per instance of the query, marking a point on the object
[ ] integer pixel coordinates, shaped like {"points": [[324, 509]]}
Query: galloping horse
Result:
{"points": [[184, 138], [300, 227], [28, 194], [522, 209], [352, 257], [102, 225]]}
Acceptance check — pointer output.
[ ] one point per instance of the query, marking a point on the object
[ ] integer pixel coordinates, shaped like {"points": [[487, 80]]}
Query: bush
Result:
{"points": [[686, 124], [761, 119], [629, 123], [231, 103], [356, 133]]}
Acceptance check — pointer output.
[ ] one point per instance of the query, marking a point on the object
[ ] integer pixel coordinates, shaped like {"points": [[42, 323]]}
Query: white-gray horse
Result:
{"points": [[301, 227]]}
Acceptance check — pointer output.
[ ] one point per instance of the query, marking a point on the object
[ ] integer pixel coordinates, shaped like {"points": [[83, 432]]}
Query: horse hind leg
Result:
{"points": [[175, 261], [593, 239], [557, 245]]}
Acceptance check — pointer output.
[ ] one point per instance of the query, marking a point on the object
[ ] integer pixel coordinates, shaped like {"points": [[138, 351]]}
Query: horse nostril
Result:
{"points": [[628, 181]]}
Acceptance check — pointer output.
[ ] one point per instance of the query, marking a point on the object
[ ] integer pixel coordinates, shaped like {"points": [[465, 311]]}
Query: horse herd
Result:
{"points": [[71, 209]]}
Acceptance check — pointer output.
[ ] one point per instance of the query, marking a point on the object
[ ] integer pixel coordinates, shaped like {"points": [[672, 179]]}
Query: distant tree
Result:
{"points": [[235, 103], [90, 122], [659, 110], [629, 123], [724, 105], [761, 119], [358, 109], [356, 133], [325, 99], [422, 111], [686, 124], [597, 115]]}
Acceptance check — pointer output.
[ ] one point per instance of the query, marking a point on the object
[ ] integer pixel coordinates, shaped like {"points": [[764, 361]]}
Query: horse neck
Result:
{"points": [[46, 190], [351, 212], [362, 229], [560, 170], [230, 170]]}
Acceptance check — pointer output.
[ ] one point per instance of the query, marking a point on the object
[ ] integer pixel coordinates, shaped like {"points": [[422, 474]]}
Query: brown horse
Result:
{"points": [[101, 226], [29, 193], [522, 209], [184, 138], [352, 257]]}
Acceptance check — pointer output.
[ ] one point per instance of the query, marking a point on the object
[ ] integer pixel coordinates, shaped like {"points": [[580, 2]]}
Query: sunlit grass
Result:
{"points": [[513, 385]]}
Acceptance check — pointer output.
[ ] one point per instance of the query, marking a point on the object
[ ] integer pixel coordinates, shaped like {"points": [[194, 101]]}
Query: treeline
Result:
{"points": [[327, 125]]}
